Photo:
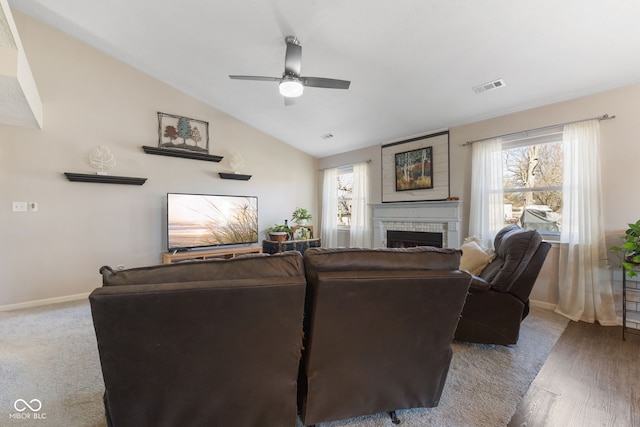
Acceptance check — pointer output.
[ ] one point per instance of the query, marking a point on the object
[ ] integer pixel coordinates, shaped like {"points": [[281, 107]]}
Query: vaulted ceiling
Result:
{"points": [[412, 63]]}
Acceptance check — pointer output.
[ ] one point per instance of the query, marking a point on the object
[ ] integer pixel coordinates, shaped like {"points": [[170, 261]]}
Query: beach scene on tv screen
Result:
{"points": [[207, 220]]}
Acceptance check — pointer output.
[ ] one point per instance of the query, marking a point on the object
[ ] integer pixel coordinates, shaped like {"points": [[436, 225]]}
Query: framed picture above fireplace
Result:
{"points": [[416, 169]]}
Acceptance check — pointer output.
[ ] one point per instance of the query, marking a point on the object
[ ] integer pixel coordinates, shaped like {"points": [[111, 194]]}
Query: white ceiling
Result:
{"points": [[412, 63]]}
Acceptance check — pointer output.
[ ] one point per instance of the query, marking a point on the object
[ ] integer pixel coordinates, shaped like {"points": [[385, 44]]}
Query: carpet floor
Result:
{"points": [[49, 358]]}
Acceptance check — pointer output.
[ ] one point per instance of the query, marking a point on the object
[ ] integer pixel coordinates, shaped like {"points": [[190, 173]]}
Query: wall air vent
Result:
{"points": [[489, 86]]}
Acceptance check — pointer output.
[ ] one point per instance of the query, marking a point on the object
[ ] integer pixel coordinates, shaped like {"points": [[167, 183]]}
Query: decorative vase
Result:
{"points": [[302, 222], [278, 236]]}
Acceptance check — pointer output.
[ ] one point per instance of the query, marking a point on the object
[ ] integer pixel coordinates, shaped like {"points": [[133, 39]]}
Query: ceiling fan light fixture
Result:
{"points": [[291, 88]]}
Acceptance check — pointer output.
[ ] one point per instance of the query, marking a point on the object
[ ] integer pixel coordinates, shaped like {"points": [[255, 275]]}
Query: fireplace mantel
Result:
{"points": [[442, 216]]}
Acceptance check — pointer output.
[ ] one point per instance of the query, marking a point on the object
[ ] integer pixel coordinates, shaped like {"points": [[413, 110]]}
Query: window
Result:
{"points": [[345, 196], [532, 171], [345, 210]]}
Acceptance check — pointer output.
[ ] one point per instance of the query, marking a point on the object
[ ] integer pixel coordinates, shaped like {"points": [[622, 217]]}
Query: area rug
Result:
{"points": [[50, 372]]}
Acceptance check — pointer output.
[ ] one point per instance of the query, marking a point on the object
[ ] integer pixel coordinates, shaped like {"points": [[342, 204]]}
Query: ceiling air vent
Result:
{"points": [[327, 136], [489, 86]]}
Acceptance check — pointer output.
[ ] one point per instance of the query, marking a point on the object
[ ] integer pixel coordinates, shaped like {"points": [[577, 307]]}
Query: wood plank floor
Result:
{"points": [[591, 378]]}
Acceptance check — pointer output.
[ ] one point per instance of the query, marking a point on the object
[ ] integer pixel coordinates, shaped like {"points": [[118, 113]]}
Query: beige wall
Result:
{"points": [[91, 99], [620, 144], [620, 139]]}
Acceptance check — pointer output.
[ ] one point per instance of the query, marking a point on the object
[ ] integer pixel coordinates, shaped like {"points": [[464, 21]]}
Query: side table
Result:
{"points": [[273, 247], [630, 305]]}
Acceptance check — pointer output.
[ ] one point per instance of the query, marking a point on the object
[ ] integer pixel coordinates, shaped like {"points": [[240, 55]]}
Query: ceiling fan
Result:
{"points": [[291, 83]]}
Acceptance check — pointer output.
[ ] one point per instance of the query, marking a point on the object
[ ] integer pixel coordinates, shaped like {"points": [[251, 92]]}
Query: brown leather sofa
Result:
{"points": [[498, 299], [378, 329], [213, 343], [219, 343]]}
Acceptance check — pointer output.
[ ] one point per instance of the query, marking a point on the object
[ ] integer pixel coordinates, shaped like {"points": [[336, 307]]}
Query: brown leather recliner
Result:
{"points": [[215, 343], [498, 299], [378, 329]]}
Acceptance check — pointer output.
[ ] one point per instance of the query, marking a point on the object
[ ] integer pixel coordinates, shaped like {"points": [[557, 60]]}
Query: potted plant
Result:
{"points": [[279, 232], [301, 216], [302, 233], [630, 249]]}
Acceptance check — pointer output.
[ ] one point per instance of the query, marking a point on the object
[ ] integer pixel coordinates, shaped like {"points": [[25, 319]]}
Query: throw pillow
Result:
{"points": [[475, 257]]}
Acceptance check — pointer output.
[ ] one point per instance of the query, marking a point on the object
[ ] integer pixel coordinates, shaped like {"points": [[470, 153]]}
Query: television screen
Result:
{"points": [[206, 220]]}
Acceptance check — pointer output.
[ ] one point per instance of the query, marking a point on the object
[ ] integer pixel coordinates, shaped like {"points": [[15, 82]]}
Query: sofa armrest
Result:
{"points": [[479, 285]]}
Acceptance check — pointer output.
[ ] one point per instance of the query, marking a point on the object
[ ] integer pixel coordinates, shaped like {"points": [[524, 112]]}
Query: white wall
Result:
{"points": [[91, 99]]}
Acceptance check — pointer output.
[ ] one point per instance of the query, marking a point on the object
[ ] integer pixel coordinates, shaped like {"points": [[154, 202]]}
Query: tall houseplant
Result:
{"points": [[630, 249]]}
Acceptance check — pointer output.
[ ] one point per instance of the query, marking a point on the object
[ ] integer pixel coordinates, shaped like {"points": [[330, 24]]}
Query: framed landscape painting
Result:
{"points": [[413, 169], [416, 169]]}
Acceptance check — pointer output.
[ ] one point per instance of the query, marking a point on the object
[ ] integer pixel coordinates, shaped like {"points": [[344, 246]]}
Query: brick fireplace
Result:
{"points": [[421, 217]]}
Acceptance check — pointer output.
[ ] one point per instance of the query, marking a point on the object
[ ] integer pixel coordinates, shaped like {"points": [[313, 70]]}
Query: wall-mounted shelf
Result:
{"points": [[236, 176], [180, 153], [104, 179]]}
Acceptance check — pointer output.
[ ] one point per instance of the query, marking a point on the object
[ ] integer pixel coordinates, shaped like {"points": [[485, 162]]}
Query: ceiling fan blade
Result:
{"points": [[325, 83], [289, 101], [293, 57], [256, 78]]}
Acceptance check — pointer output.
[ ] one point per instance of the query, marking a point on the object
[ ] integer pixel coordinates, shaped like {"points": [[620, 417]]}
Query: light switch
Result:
{"points": [[19, 206]]}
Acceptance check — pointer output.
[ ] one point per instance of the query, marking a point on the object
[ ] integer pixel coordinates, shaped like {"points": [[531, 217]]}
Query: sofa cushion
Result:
{"points": [[285, 264]]}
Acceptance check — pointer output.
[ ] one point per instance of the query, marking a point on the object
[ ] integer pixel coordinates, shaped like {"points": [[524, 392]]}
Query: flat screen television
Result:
{"points": [[198, 221]]}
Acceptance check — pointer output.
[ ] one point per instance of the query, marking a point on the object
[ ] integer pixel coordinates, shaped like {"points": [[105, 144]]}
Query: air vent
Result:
{"points": [[489, 86], [327, 136]]}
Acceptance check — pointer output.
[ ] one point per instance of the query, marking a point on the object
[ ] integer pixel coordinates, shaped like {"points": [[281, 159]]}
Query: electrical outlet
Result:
{"points": [[19, 206], [33, 206]]}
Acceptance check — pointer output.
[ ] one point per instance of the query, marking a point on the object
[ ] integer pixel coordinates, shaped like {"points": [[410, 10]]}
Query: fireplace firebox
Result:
{"points": [[409, 239]]}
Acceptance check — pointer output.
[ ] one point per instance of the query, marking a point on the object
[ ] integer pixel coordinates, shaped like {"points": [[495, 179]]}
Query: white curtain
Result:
{"points": [[487, 204], [329, 226], [360, 234], [584, 282]]}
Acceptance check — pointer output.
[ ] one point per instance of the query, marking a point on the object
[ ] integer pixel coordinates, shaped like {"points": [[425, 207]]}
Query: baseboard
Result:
{"points": [[543, 304], [41, 302]]}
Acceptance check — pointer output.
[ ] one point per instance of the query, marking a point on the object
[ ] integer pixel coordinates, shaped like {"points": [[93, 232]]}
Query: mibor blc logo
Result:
{"points": [[27, 410]]}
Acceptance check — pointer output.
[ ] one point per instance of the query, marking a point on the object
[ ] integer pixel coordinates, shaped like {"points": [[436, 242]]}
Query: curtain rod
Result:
{"points": [[603, 117], [346, 164]]}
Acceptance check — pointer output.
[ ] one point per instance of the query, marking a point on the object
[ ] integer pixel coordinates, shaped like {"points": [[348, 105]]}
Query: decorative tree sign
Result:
{"points": [[183, 133]]}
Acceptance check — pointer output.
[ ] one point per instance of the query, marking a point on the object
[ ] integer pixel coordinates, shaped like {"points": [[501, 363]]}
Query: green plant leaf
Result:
{"points": [[630, 269]]}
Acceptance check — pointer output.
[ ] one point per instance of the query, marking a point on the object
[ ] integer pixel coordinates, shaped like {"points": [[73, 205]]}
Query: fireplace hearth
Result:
{"points": [[410, 239]]}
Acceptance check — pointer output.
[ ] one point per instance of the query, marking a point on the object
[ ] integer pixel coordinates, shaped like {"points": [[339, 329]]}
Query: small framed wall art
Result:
{"points": [[416, 169], [183, 133]]}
